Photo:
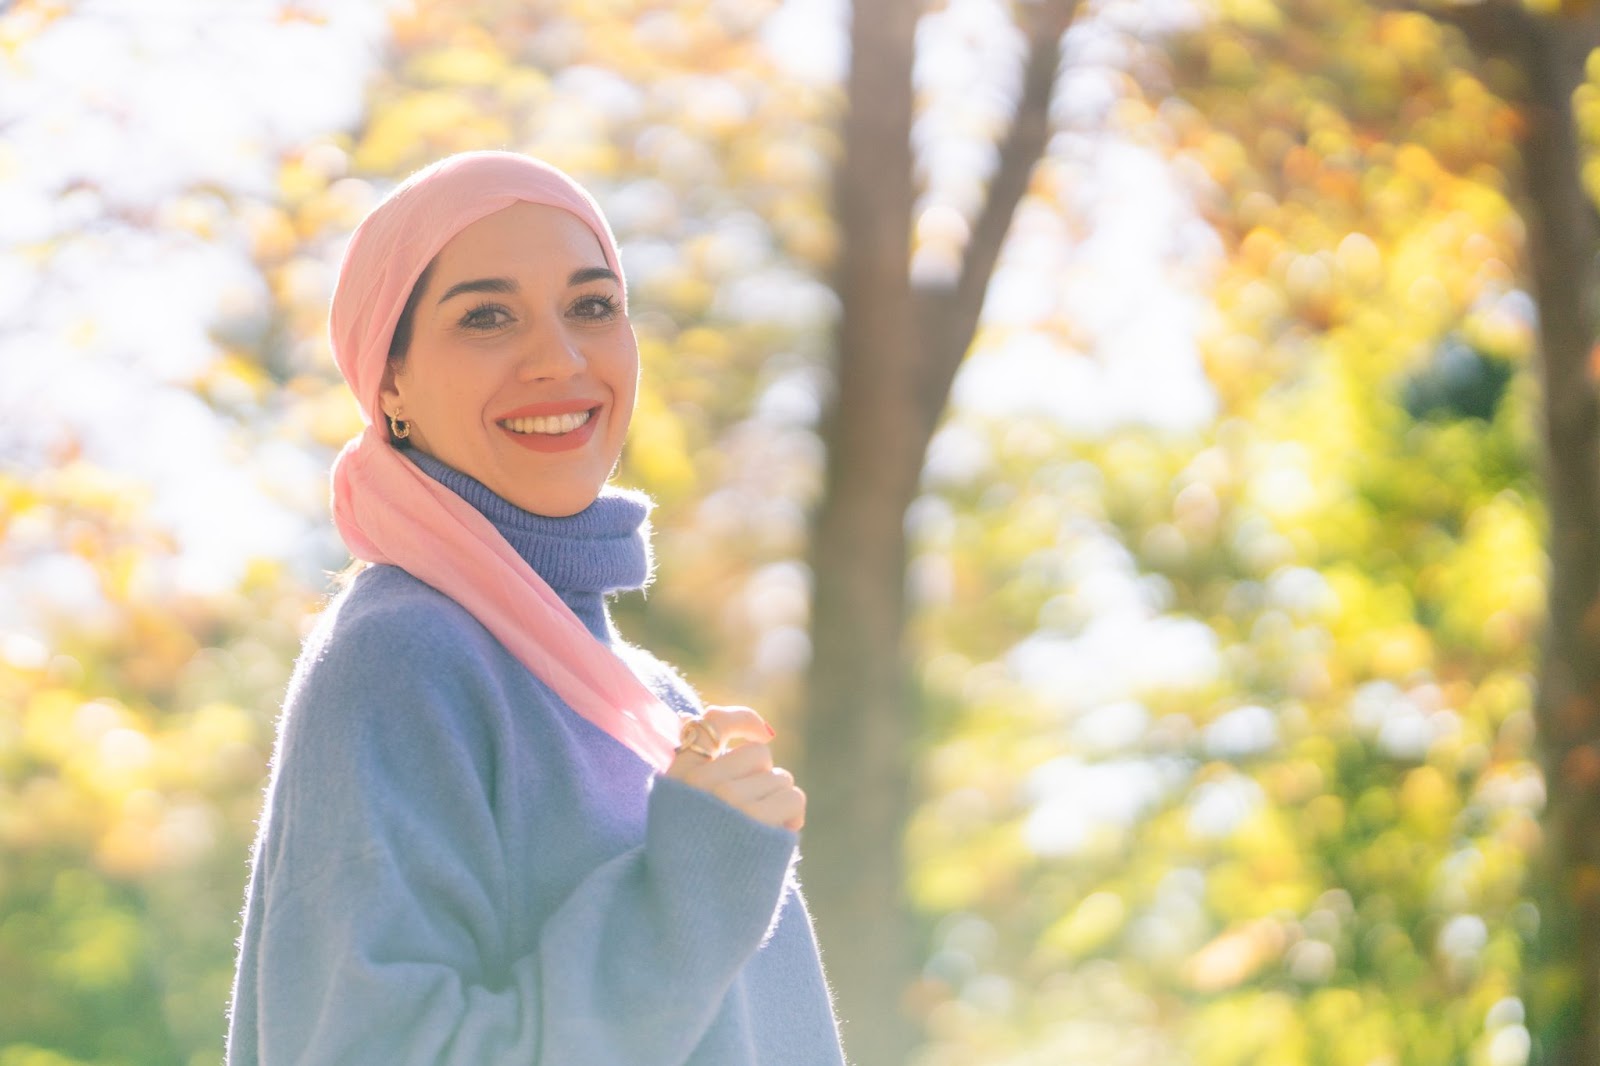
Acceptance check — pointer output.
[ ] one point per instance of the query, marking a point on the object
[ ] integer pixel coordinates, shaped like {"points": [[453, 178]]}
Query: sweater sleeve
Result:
{"points": [[383, 881]]}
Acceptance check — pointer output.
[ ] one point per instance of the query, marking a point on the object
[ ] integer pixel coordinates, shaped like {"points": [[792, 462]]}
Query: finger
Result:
{"points": [[797, 820], [745, 792], [689, 761], [738, 724], [785, 808], [711, 734], [745, 760], [685, 764]]}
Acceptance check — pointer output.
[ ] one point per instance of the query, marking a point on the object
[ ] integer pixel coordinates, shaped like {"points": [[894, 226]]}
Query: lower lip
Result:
{"points": [[554, 442]]}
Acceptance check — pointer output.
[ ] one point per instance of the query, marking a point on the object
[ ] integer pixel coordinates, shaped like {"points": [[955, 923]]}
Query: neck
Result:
{"points": [[584, 558]]}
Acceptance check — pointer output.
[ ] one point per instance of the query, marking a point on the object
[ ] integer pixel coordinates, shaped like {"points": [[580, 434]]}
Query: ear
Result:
{"points": [[389, 395]]}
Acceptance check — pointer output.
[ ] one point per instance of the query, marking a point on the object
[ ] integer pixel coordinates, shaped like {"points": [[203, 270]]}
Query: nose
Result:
{"points": [[549, 353]]}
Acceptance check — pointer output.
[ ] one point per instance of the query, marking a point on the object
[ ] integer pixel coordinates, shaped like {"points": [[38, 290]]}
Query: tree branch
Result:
{"points": [[1498, 29], [948, 314]]}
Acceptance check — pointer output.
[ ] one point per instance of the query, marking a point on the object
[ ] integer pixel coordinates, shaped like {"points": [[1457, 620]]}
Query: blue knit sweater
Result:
{"points": [[454, 867]]}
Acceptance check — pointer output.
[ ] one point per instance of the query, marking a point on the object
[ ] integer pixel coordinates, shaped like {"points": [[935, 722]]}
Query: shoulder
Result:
{"points": [[388, 621], [393, 656], [387, 602]]}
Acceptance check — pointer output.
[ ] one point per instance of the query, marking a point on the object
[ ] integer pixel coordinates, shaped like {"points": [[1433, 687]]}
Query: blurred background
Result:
{"points": [[1133, 449]]}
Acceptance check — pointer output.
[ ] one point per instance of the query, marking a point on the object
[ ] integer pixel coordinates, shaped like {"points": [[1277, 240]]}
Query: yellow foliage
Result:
{"points": [[55, 723], [299, 179], [423, 125], [1411, 36], [1256, 15], [657, 453], [1400, 652], [101, 943], [1492, 590], [959, 875], [1235, 956], [685, 292], [234, 378], [1323, 817], [1360, 260], [1088, 927], [1271, 856], [1355, 1032], [25, 20], [461, 63], [126, 850], [1428, 801], [330, 416], [1262, 1029]]}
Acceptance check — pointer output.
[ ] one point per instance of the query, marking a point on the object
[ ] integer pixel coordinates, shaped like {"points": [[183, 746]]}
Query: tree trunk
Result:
{"points": [[1564, 969], [898, 353], [858, 726]]}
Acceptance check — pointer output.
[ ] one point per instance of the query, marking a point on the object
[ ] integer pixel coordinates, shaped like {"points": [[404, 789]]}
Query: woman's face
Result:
{"points": [[522, 368]]}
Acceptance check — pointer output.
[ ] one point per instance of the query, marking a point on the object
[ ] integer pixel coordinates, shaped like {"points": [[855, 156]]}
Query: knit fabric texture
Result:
{"points": [[454, 867]]}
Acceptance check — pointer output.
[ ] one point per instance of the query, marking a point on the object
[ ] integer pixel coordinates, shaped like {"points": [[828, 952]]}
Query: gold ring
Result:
{"points": [[701, 737]]}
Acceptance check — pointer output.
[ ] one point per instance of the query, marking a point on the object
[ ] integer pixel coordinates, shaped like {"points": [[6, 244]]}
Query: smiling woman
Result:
{"points": [[495, 832], [522, 372]]}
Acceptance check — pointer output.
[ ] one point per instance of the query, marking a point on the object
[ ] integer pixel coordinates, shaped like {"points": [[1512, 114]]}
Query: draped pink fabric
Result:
{"points": [[388, 511]]}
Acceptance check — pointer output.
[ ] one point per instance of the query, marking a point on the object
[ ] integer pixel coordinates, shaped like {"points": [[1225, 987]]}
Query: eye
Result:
{"points": [[596, 308], [486, 317]]}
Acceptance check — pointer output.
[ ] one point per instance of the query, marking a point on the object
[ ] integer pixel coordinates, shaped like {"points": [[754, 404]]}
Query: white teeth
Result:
{"points": [[548, 424]]}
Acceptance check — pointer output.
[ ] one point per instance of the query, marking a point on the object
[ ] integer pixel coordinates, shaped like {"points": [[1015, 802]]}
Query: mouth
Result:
{"points": [[558, 431], [547, 425]]}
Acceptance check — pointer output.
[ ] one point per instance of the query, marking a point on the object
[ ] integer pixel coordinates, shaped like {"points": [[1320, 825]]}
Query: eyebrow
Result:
{"points": [[509, 285], [505, 285], [588, 274]]}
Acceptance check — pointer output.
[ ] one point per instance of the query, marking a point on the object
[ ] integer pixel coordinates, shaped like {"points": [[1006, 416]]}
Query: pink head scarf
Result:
{"points": [[389, 511]]}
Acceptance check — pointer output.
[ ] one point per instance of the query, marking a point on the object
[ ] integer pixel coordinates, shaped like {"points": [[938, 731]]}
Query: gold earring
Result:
{"points": [[399, 427]]}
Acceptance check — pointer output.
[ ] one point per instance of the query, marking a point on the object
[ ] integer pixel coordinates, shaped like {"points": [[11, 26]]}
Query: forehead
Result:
{"points": [[521, 237]]}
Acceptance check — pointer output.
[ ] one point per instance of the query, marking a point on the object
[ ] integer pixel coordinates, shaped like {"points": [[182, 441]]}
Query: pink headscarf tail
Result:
{"points": [[388, 511]]}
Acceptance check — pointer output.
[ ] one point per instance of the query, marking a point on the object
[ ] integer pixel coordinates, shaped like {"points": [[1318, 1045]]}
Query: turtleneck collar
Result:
{"points": [[602, 549]]}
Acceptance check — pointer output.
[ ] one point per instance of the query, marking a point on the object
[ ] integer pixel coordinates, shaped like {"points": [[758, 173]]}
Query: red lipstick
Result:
{"points": [[552, 442], [550, 407]]}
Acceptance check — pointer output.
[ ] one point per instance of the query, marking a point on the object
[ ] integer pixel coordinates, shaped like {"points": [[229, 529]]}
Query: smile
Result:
{"points": [[562, 432], [547, 425]]}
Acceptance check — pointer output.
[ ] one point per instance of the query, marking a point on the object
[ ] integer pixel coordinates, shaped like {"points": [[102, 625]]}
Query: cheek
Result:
{"points": [[626, 394], [456, 396], [624, 374]]}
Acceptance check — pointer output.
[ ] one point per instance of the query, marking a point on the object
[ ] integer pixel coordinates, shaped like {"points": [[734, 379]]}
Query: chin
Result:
{"points": [[555, 504], [554, 490]]}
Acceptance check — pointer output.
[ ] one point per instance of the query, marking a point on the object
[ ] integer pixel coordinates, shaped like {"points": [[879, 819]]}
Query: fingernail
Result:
{"points": [[771, 732]]}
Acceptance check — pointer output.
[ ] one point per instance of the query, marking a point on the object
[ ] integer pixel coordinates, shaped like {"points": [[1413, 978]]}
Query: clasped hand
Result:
{"points": [[741, 772]]}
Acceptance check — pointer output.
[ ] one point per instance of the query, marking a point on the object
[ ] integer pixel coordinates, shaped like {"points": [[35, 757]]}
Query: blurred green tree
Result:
{"points": [[1372, 140], [1549, 52], [132, 752], [1298, 827]]}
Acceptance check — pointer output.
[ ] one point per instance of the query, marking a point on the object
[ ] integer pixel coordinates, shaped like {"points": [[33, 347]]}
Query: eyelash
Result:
{"points": [[594, 308], [608, 306], [483, 317]]}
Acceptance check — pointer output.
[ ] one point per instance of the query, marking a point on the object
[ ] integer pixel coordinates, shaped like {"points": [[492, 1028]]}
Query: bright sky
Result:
{"points": [[107, 303]]}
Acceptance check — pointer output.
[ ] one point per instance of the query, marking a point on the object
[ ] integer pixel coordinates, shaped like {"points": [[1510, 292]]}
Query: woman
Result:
{"points": [[495, 833]]}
